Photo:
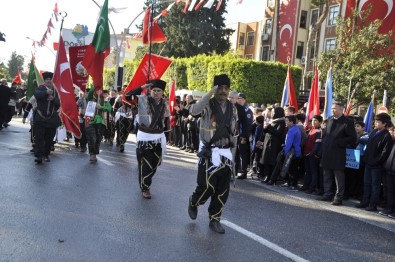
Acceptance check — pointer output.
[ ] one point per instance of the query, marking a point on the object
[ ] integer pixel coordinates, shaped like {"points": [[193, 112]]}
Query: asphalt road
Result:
{"points": [[71, 210]]}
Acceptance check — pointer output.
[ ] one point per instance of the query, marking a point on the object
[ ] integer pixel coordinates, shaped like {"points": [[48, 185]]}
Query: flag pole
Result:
{"points": [[151, 20], [63, 14]]}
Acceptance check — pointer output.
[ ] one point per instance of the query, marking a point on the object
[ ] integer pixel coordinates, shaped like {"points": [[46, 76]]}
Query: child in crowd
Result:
{"points": [[312, 156]]}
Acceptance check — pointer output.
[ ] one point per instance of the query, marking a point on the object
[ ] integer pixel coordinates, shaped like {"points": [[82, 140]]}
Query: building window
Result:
{"points": [[330, 44], [251, 38], [299, 50], [312, 50], [333, 13], [248, 56], [266, 53], [314, 17], [268, 26], [270, 3], [242, 38], [303, 19]]}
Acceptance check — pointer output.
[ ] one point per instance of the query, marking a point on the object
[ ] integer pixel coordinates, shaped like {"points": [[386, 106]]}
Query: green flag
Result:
{"points": [[98, 50], [33, 81]]}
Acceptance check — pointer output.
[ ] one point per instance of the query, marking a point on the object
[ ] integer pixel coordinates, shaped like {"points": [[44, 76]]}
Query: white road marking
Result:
{"points": [[264, 242], [108, 163]]}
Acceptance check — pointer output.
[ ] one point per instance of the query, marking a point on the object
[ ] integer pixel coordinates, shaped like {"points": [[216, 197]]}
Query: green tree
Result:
{"points": [[4, 71], [16, 62], [363, 61], [140, 52], [196, 32], [313, 32]]}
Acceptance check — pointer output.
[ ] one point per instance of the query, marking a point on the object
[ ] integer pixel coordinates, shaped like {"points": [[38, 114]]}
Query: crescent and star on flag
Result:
{"points": [[283, 28], [390, 5], [63, 67]]}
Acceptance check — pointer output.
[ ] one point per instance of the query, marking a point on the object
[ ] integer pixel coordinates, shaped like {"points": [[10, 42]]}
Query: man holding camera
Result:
{"points": [[217, 129]]}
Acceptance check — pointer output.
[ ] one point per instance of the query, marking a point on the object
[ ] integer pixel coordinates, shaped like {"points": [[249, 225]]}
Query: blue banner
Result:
{"points": [[353, 158]]}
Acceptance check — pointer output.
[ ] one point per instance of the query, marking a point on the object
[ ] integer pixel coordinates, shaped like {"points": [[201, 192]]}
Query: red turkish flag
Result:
{"points": [[313, 107], [151, 30], [172, 103], [157, 68], [380, 9], [291, 90], [64, 85], [287, 27], [18, 78]]}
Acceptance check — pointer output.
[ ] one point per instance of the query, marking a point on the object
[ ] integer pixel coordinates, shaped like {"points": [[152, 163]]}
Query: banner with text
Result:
{"points": [[78, 72]]}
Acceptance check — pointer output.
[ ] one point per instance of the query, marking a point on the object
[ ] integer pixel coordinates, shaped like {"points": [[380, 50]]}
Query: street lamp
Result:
{"points": [[42, 45]]}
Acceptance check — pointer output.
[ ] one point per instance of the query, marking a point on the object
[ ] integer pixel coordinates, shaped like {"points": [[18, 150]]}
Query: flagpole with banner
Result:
{"points": [[64, 85], [172, 103], [289, 95], [98, 50], [328, 95], [368, 118], [150, 36], [313, 107], [17, 79], [34, 79]]}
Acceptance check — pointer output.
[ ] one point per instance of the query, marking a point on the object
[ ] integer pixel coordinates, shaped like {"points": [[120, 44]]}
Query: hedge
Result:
{"points": [[262, 82]]}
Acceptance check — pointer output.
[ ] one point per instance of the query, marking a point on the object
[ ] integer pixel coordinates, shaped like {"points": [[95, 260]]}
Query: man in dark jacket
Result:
{"points": [[339, 134], [46, 118], [389, 184], [5, 94], [192, 142], [273, 138]]}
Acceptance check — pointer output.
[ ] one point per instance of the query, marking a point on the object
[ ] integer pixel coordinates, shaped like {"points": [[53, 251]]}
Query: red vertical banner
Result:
{"points": [[287, 29], [78, 72], [172, 103]]}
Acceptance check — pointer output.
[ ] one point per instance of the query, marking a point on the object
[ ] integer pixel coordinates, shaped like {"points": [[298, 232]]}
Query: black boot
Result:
{"points": [[266, 180], [192, 210], [371, 207], [216, 226]]}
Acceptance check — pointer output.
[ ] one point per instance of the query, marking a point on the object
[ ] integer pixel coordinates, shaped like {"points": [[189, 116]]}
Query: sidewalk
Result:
{"points": [[347, 209]]}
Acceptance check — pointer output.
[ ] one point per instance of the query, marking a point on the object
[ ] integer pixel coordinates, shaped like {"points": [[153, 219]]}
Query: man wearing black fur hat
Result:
{"points": [[46, 118], [217, 130], [153, 118]]}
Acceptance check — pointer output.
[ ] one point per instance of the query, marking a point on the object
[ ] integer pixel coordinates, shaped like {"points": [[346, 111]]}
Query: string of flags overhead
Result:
{"points": [[50, 25], [190, 6]]}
